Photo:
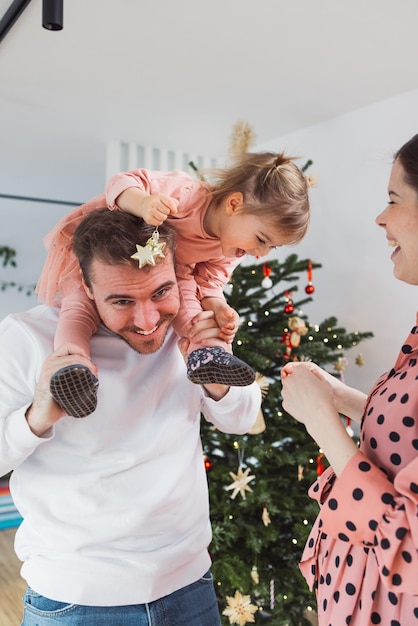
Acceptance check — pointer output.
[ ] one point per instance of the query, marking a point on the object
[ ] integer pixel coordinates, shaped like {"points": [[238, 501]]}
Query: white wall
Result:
{"points": [[352, 157]]}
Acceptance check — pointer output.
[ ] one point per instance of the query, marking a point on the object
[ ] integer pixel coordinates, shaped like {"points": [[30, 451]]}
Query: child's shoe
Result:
{"points": [[216, 365], [74, 388]]}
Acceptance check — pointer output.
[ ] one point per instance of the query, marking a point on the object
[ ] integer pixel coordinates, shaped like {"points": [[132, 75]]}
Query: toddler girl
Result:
{"points": [[259, 203]]}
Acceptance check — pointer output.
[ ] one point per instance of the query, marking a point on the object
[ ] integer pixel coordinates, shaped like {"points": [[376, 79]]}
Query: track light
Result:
{"points": [[52, 14]]}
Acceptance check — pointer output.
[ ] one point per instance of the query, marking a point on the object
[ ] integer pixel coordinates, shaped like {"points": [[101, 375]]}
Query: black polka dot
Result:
{"points": [[406, 556], [349, 560], [400, 533], [405, 398], [343, 537], [385, 571], [337, 561], [311, 543], [316, 488], [333, 504], [396, 580], [324, 604], [402, 376], [380, 419], [385, 544], [364, 466], [373, 443], [394, 436], [393, 598], [414, 487], [375, 618], [395, 459], [407, 349], [351, 526], [415, 444], [348, 619], [350, 589], [387, 498], [394, 622], [328, 579], [408, 421], [373, 524], [336, 596], [392, 397], [416, 612], [358, 494]]}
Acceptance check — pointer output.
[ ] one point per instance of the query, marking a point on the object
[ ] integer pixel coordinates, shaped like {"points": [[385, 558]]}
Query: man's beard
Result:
{"points": [[150, 346]]}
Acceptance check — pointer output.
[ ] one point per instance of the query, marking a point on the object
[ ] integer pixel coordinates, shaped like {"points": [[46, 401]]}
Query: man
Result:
{"points": [[115, 512]]}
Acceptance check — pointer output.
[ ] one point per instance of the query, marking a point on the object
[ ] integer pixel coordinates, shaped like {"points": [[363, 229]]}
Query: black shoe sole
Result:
{"points": [[237, 375], [74, 388]]}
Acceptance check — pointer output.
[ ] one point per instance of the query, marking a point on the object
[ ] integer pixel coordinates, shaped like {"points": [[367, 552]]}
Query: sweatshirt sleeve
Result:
{"points": [[236, 412], [364, 507], [20, 360]]}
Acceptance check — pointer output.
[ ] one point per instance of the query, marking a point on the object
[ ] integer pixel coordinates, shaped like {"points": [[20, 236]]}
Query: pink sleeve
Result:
{"points": [[365, 508], [174, 184]]}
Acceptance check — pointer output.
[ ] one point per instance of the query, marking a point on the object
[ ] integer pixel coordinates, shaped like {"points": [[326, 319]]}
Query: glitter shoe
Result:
{"points": [[215, 365], [74, 388]]}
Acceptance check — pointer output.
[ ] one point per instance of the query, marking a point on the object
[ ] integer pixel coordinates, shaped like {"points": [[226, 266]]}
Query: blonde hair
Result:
{"points": [[271, 184]]}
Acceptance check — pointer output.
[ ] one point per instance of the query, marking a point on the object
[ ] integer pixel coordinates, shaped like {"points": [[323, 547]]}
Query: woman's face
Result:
{"points": [[400, 221]]}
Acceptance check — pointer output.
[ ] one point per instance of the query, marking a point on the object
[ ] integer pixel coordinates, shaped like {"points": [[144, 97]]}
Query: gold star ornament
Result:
{"points": [[240, 484], [240, 610], [151, 252]]}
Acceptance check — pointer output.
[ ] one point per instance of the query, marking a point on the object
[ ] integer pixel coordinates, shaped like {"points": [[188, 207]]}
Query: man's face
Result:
{"points": [[136, 304]]}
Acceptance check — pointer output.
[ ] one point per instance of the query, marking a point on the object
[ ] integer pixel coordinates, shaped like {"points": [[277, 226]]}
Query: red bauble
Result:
{"points": [[309, 289], [289, 308], [208, 463]]}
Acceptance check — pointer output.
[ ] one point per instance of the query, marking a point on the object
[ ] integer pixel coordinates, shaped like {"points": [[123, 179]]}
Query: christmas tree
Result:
{"points": [[260, 511]]}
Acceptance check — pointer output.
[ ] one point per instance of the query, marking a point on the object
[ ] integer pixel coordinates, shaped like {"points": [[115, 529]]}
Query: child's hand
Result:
{"points": [[155, 209], [228, 321]]}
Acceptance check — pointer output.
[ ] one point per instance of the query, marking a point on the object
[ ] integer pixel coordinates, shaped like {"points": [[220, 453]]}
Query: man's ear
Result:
{"points": [[86, 288], [234, 202]]}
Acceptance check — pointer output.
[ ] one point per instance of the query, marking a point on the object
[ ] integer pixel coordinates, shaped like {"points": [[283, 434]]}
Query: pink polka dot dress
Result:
{"points": [[362, 554]]}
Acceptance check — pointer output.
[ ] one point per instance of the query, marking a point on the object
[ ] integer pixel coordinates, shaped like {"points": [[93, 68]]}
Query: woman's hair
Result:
{"points": [[272, 186], [111, 237], [408, 158]]}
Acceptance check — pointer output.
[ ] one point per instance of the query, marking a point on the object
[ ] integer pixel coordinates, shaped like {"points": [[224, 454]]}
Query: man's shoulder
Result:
{"points": [[39, 315]]}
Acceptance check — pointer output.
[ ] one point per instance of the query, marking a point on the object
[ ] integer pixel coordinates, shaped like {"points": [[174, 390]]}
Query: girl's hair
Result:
{"points": [[273, 187], [408, 158]]}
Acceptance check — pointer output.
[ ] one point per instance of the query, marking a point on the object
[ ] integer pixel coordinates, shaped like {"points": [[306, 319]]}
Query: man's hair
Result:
{"points": [[111, 238]]}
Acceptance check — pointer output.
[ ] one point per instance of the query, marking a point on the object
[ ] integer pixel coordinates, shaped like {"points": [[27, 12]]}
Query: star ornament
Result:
{"points": [[240, 610], [240, 484], [151, 252]]}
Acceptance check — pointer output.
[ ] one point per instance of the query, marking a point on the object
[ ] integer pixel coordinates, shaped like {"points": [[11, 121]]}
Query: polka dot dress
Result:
{"points": [[362, 553]]}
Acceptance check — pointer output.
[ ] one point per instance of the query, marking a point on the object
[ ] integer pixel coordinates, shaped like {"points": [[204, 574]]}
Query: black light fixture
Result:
{"points": [[52, 14]]}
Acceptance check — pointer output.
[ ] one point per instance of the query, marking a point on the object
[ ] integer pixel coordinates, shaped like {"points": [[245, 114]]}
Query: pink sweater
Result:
{"points": [[202, 270]]}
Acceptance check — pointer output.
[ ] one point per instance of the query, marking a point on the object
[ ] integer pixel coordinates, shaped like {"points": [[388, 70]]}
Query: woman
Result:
{"points": [[361, 556]]}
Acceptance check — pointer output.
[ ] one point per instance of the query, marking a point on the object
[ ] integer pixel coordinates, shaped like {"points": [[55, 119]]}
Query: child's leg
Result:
{"points": [[74, 388], [78, 321]]}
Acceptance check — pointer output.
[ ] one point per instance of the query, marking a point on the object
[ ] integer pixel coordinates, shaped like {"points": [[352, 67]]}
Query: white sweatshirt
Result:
{"points": [[115, 505]]}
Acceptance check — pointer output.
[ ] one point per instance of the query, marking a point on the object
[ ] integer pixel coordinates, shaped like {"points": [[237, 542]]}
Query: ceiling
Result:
{"points": [[179, 74]]}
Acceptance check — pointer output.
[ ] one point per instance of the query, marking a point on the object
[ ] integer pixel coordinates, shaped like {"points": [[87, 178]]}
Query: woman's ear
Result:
{"points": [[234, 202]]}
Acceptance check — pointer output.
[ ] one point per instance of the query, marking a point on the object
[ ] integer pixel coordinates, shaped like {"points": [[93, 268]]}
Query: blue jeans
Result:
{"points": [[194, 605]]}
